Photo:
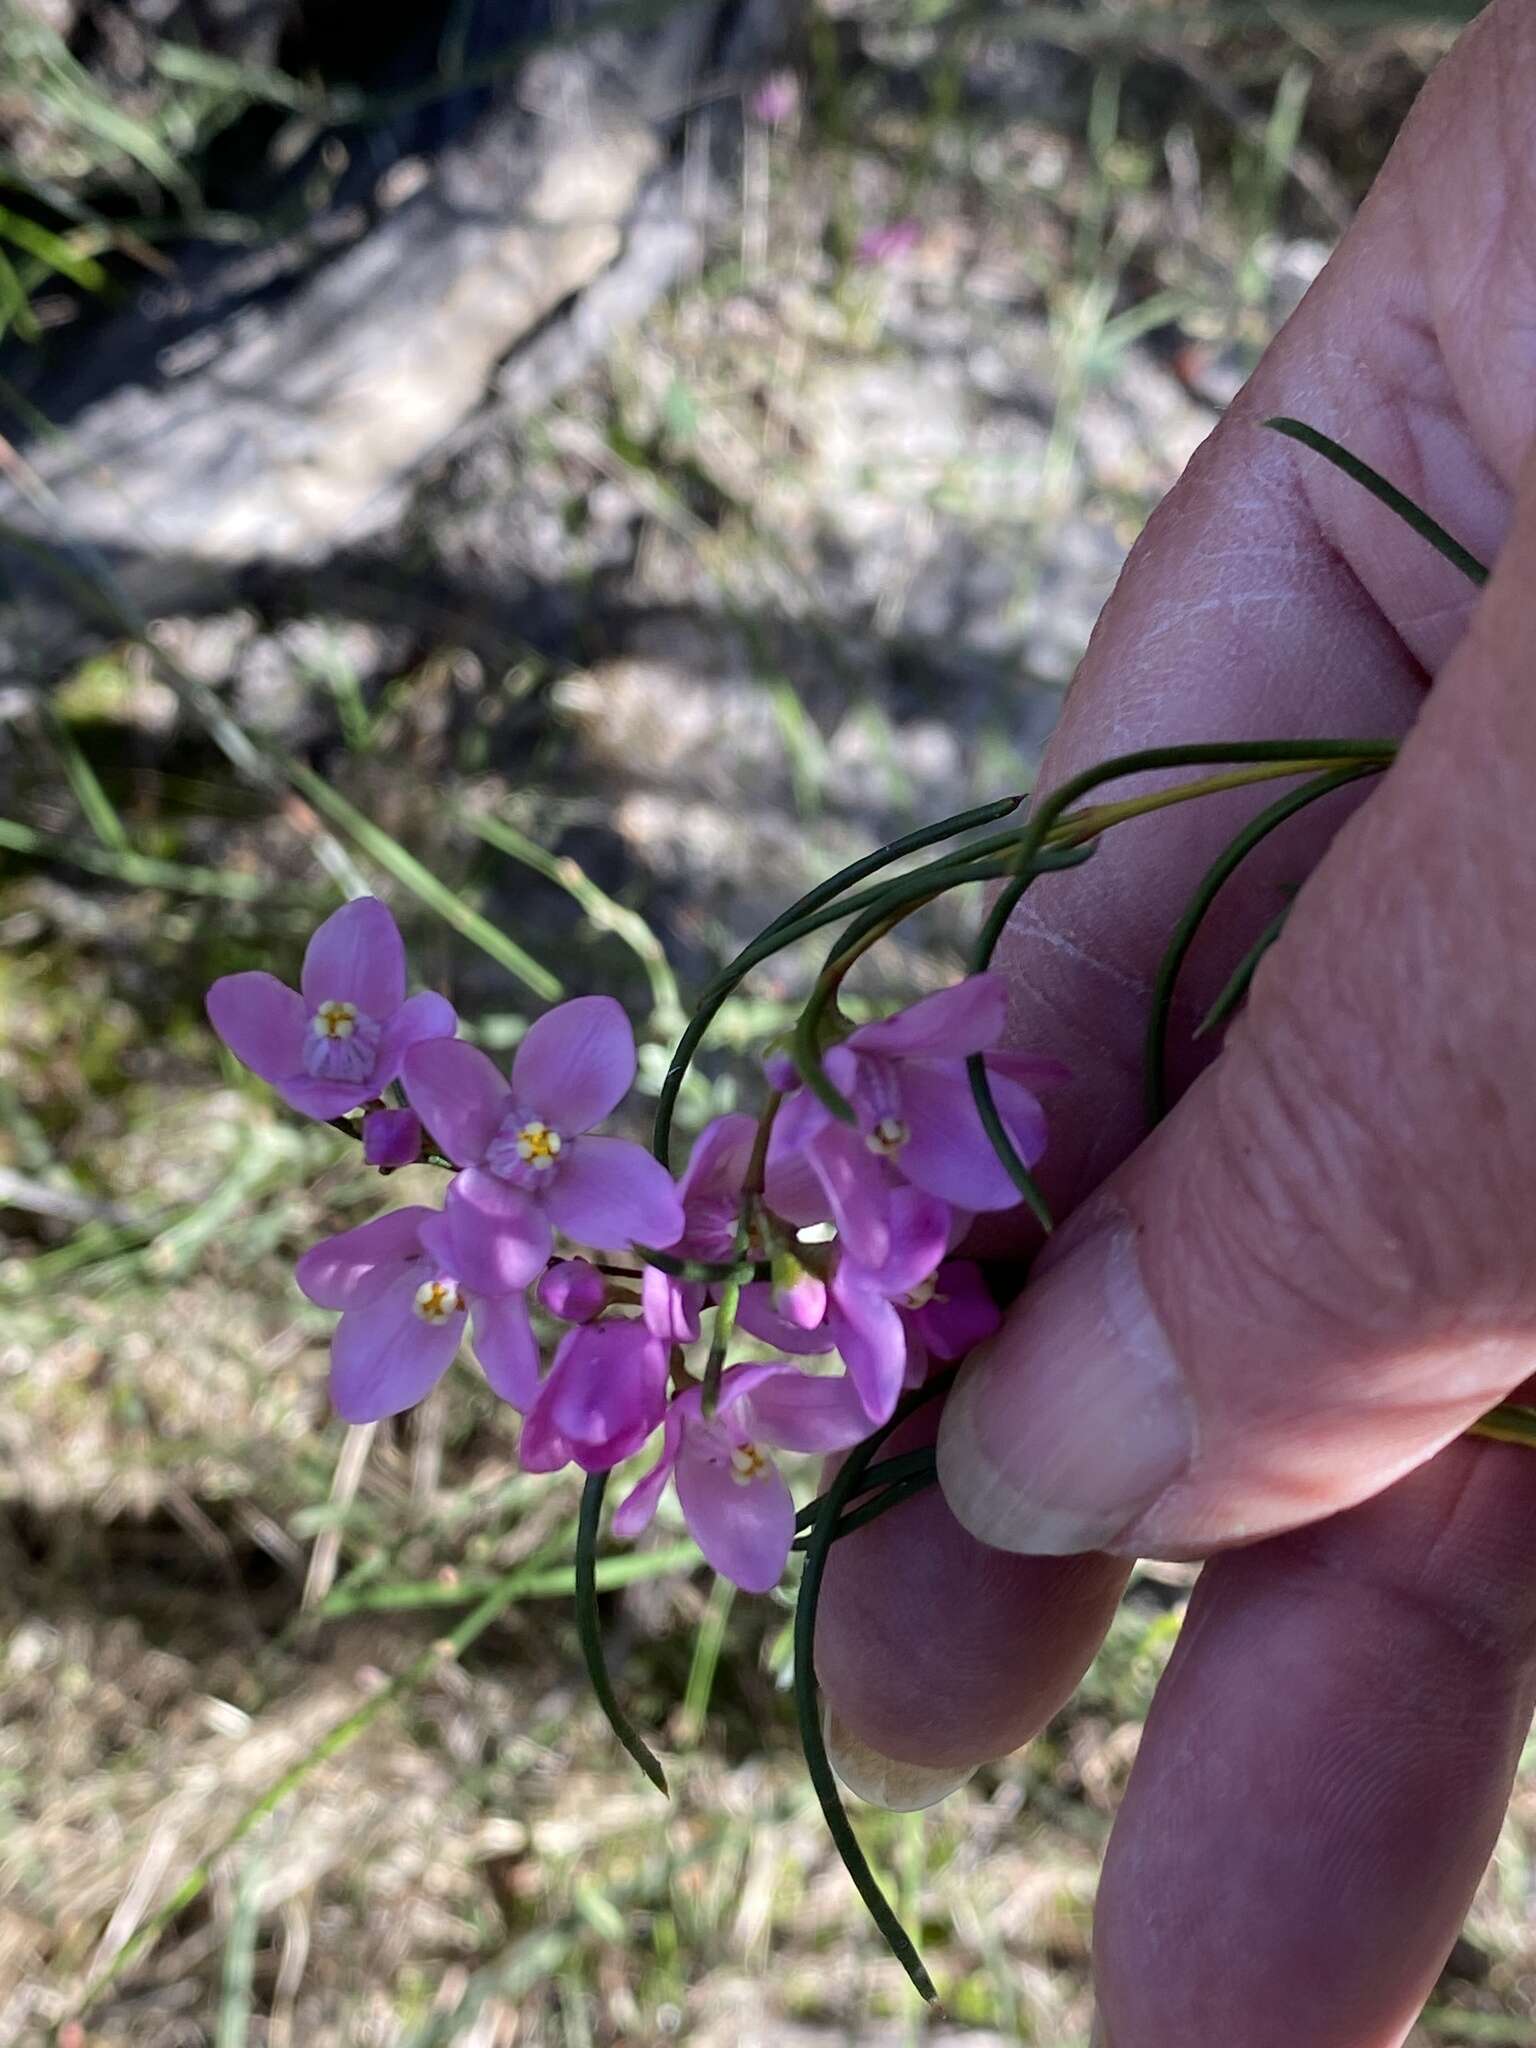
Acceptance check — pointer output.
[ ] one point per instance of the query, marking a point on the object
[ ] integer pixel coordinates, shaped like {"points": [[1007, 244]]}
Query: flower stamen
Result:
{"points": [[438, 1301], [747, 1463]]}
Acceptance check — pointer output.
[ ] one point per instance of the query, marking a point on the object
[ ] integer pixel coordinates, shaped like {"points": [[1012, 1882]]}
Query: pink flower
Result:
{"points": [[947, 1316], [574, 1290], [606, 1392], [734, 1500], [391, 1138], [889, 243], [710, 1194], [915, 1118], [573, 1069], [405, 1283], [864, 1321], [341, 1038], [776, 100]]}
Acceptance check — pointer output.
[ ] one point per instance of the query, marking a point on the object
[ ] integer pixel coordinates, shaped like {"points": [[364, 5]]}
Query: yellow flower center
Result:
{"points": [[335, 1020], [747, 1463], [538, 1146], [438, 1300], [887, 1136]]}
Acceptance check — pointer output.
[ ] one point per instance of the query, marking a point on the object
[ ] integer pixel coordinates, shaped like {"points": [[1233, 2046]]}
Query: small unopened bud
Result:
{"points": [[391, 1138], [573, 1290]]}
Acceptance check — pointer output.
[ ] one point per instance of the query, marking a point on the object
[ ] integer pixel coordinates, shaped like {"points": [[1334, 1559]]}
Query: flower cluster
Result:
{"points": [[836, 1240]]}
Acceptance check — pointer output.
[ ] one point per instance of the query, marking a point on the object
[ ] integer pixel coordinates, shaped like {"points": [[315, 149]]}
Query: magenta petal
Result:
{"points": [[391, 1138], [323, 1099], [671, 1308], [356, 956], [606, 1391], [263, 1022], [718, 1163], [576, 1064], [541, 1447], [384, 1358], [919, 1239], [858, 1190], [424, 1017], [801, 1411], [791, 1185], [961, 1313], [507, 1349], [964, 1019], [760, 1318], [873, 1341], [637, 1507], [490, 1237], [948, 1151], [608, 1192], [355, 1266], [459, 1095], [744, 1531]]}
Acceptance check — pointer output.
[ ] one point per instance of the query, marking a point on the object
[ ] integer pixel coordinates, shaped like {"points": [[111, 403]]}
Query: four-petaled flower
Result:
{"points": [[572, 1069], [340, 1038], [734, 1499], [914, 1118], [405, 1283], [606, 1391]]}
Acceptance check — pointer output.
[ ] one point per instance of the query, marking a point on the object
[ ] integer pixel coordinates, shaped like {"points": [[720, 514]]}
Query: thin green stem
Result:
{"points": [[1387, 494], [886, 1473], [1215, 878], [590, 1634], [1236, 986], [879, 1504]]}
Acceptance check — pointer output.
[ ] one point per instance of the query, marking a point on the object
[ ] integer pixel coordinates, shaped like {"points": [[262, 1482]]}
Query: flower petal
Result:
{"points": [[948, 1151], [1032, 1070], [506, 1347], [873, 1341], [541, 1447], [458, 1093], [961, 1313], [744, 1531], [858, 1190], [608, 1192], [424, 1017], [964, 1019], [637, 1507], [606, 1391], [354, 1267], [490, 1237], [576, 1064], [384, 1358], [262, 1021], [718, 1163], [357, 956], [919, 1231], [792, 1187], [671, 1308], [802, 1411], [323, 1099]]}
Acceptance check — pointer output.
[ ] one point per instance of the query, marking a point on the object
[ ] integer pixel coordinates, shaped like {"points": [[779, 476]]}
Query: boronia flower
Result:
{"points": [[572, 1069], [574, 1290], [605, 1393], [865, 1320], [710, 1194], [946, 1316], [339, 1039], [915, 1118], [391, 1138], [405, 1284], [734, 1499]]}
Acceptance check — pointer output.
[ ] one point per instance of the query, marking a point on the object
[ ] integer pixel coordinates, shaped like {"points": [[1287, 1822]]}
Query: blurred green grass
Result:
{"points": [[205, 1575]]}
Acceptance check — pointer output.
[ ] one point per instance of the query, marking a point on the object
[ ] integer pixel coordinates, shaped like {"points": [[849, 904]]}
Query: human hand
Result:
{"points": [[1268, 1323]]}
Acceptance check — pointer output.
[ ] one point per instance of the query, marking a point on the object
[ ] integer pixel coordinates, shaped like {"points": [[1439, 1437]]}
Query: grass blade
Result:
{"points": [[1386, 494]]}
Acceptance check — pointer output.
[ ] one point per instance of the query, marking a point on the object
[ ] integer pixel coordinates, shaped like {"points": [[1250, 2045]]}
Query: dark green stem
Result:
{"points": [[1386, 494], [589, 1629], [871, 1509], [1236, 987], [1226, 864]]}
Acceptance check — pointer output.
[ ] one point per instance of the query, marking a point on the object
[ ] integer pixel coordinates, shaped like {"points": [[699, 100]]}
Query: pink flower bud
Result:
{"points": [[391, 1138], [573, 1290]]}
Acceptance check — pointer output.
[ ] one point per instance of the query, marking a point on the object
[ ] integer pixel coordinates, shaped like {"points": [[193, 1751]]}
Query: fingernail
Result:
{"points": [[1073, 1420], [883, 1780]]}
